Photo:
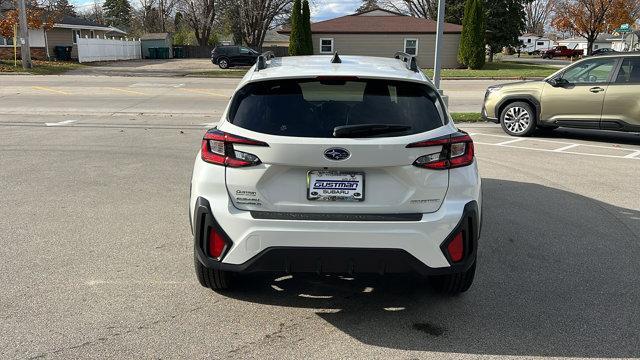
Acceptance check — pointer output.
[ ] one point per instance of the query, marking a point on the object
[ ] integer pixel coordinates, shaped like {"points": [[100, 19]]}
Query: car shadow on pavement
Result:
{"points": [[557, 276]]}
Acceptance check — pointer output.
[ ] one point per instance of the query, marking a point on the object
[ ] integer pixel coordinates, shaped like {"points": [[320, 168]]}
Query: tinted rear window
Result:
{"points": [[313, 108]]}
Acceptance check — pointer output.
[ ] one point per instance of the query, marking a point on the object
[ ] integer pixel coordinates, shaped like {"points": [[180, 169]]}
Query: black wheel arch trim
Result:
{"points": [[515, 98]]}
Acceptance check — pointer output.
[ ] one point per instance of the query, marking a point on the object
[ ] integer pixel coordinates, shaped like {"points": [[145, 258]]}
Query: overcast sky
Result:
{"points": [[329, 9], [320, 9]]}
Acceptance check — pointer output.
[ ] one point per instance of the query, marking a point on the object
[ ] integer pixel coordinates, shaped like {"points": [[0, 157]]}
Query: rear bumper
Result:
{"points": [[298, 246]]}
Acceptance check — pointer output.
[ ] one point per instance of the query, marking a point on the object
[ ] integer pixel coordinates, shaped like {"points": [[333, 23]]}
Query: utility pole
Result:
{"points": [[437, 63], [162, 16], [25, 50]]}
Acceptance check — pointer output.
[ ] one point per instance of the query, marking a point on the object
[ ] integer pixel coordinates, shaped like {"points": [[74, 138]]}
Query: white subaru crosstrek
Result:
{"points": [[336, 165]]}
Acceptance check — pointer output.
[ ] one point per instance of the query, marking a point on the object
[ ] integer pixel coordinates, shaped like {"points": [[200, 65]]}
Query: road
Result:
{"points": [[97, 254], [123, 96]]}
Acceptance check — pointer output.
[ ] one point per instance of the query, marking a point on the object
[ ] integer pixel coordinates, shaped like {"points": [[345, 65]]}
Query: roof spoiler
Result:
{"points": [[409, 60], [261, 62]]}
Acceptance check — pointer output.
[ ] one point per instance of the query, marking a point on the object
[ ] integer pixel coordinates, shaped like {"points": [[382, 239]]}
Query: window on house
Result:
{"points": [[540, 43], [595, 47], [93, 34], [76, 35], [2, 41], [528, 41], [411, 46], [326, 45], [9, 41]]}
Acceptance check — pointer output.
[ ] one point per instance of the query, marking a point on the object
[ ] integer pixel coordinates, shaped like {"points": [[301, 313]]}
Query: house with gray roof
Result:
{"points": [[65, 32]]}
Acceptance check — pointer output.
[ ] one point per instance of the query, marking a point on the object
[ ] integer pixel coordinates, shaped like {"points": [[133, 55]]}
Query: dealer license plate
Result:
{"points": [[335, 186]]}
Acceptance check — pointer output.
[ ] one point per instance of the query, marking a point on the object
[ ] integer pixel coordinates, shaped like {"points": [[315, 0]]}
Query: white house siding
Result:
{"points": [[36, 38], [582, 45], [386, 45]]}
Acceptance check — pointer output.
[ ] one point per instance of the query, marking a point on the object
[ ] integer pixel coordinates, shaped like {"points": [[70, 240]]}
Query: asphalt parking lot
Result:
{"points": [[97, 252]]}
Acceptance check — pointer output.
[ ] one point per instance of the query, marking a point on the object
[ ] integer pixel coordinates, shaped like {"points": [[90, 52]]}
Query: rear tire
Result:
{"points": [[223, 63], [212, 278], [518, 119], [454, 284]]}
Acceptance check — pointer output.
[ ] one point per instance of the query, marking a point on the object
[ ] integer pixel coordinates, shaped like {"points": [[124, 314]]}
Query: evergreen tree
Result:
{"points": [[472, 40], [295, 38], [306, 29], [118, 13], [368, 5], [505, 22], [62, 7]]}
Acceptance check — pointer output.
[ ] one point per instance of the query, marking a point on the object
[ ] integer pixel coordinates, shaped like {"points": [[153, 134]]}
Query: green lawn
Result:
{"points": [[498, 70], [40, 67], [229, 73], [466, 117]]}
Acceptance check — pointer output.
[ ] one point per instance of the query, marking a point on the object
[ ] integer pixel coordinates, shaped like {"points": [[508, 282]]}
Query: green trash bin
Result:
{"points": [[153, 53], [163, 53], [62, 53]]}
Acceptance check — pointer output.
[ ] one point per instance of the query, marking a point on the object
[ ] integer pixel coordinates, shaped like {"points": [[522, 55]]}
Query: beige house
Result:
{"points": [[381, 33], [64, 33]]}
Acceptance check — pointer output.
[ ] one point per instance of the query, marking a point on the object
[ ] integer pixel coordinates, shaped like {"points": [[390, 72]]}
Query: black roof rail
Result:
{"points": [[336, 58], [409, 60], [262, 60]]}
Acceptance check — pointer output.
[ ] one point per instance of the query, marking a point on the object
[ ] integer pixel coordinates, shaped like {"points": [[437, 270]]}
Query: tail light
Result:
{"points": [[217, 148], [457, 151]]}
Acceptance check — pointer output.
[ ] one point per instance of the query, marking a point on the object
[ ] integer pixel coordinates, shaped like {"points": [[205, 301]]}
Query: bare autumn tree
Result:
{"points": [[538, 14], [259, 16], [200, 16], [590, 18], [427, 9]]}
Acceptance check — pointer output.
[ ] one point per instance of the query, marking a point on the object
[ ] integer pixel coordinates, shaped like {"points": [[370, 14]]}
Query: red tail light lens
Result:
{"points": [[456, 248], [216, 244], [457, 151], [217, 148]]}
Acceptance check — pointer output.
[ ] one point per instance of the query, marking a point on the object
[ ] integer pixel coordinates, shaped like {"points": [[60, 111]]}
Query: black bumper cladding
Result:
{"points": [[339, 260]]}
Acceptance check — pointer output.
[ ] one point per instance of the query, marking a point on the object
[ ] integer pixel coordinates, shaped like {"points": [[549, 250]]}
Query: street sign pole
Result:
{"points": [[15, 45], [25, 50], [437, 63]]}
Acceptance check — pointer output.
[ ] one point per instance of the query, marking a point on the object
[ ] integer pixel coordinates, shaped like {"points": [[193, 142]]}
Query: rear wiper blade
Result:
{"points": [[367, 130]]}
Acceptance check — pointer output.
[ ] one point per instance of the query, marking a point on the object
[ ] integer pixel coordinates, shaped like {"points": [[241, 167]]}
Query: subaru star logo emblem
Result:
{"points": [[336, 154]]}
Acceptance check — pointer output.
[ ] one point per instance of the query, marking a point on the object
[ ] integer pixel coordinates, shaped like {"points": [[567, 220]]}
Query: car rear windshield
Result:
{"points": [[315, 107]]}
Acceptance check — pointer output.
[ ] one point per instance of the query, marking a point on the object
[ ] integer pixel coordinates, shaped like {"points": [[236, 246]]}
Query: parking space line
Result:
{"points": [[509, 142], [204, 92], [65, 122], [566, 147], [564, 152], [633, 155], [50, 90], [126, 91], [558, 142]]}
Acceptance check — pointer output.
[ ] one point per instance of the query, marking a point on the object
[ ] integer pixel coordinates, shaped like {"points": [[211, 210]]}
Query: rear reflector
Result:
{"points": [[216, 244], [456, 247]]}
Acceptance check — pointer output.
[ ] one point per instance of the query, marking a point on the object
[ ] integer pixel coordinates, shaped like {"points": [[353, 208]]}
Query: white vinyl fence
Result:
{"points": [[108, 49]]}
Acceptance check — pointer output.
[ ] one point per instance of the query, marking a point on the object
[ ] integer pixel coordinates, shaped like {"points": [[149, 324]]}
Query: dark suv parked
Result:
{"points": [[230, 55]]}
